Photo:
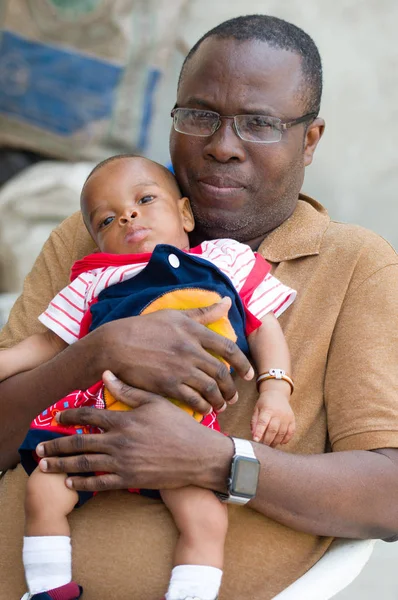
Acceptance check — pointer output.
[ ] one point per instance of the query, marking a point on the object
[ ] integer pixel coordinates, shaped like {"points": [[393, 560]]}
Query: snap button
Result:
{"points": [[174, 261]]}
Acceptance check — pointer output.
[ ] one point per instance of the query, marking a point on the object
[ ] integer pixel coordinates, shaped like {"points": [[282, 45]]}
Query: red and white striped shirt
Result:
{"points": [[260, 294]]}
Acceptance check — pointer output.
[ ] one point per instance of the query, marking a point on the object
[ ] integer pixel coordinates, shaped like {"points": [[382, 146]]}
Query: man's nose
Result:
{"points": [[128, 216], [225, 145]]}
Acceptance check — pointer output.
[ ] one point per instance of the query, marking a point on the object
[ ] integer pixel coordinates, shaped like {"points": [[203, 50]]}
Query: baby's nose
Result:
{"points": [[129, 216]]}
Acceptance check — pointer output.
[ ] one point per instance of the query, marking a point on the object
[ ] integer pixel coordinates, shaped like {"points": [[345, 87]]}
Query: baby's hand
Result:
{"points": [[273, 420]]}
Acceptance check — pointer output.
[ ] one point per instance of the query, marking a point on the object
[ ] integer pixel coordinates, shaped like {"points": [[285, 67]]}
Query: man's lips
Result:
{"points": [[136, 234], [220, 186]]}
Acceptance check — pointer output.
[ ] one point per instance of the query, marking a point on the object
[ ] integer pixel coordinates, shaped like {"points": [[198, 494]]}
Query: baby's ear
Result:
{"points": [[187, 215]]}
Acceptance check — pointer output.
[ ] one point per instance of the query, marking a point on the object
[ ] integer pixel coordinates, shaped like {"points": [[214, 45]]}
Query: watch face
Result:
{"points": [[244, 476]]}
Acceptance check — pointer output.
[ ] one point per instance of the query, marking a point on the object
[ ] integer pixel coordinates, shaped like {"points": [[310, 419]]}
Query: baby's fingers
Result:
{"points": [[272, 430], [289, 433], [280, 436], [260, 423]]}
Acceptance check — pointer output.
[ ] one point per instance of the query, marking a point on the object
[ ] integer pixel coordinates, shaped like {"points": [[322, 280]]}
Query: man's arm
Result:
{"points": [[349, 494], [180, 367]]}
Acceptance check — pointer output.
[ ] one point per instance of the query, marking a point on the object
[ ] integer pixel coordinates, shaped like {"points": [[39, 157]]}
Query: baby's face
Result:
{"points": [[130, 205]]}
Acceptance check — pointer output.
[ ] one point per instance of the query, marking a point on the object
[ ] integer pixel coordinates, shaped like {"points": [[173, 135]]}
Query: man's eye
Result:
{"points": [[106, 222], [258, 122], [203, 116], [145, 199]]}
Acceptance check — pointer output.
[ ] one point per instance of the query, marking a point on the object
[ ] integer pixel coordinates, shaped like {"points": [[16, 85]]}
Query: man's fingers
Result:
{"points": [[71, 444], [96, 483], [210, 366], [210, 314], [209, 390], [82, 463], [225, 348], [131, 396], [86, 416]]}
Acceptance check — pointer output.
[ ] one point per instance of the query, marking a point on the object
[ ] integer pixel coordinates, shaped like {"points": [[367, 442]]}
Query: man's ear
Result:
{"points": [[312, 137], [186, 213]]}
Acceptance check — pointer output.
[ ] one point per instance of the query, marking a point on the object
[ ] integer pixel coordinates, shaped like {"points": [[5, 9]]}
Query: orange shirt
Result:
{"points": [[342, 332]]}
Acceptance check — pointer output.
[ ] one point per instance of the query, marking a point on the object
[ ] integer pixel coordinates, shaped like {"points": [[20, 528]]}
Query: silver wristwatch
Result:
{"points": [[243, 479]]}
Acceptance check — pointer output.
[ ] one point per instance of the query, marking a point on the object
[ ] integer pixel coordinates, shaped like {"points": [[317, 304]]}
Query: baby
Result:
{"points": [[134, 211]]}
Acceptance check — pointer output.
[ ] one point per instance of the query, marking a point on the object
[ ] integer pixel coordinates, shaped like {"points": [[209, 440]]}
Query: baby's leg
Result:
{"points": [[47, 504], [47, 550], [202, 521]]}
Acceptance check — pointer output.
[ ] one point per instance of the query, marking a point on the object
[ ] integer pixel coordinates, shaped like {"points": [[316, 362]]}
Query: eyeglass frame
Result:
{"points": [[281, 125]]}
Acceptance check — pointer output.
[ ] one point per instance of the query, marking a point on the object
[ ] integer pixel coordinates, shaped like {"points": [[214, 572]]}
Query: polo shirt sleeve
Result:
{"points": [[361, 383]]}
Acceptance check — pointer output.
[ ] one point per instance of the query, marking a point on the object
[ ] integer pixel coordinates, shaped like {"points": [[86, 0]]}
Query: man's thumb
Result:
{"points": [[121, 396], [212, 313]]}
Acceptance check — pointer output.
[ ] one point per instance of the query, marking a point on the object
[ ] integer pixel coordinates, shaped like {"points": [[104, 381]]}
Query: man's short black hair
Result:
{"points": [[277, 33]]}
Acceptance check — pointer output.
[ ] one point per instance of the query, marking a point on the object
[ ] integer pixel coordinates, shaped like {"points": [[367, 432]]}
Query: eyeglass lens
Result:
{"points": [[251, 128]]}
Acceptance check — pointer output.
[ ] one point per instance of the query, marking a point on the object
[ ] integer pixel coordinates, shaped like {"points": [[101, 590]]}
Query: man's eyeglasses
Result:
{"points": [[259, 129]]}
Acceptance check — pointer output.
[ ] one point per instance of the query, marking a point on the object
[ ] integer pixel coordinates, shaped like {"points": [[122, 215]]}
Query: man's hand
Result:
{"points": [[168, 353], [155, 446]]}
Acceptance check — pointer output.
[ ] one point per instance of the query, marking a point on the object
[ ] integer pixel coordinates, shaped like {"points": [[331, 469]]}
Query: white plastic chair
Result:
{"points": [[339, 566]]}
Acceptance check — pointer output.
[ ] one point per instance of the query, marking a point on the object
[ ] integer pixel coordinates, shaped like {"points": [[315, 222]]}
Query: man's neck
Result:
{"points": [[197, 238]]}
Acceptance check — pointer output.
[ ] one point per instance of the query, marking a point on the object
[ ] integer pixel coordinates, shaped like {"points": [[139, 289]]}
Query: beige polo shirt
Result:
{"points": [[343, 336]]}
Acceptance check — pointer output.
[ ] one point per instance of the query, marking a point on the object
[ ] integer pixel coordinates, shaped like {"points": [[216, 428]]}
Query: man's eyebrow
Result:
{"points": [[265, 110]]}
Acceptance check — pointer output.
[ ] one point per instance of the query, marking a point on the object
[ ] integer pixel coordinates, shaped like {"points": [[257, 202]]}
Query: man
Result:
{"points": [[243, 176]]}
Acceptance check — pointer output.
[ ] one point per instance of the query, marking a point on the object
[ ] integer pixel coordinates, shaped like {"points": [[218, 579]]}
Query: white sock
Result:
{"points": [[47, 561], [194, 580]]}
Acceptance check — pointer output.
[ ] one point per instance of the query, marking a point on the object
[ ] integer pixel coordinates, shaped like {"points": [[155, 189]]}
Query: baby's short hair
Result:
{"points": [[169, 175]]}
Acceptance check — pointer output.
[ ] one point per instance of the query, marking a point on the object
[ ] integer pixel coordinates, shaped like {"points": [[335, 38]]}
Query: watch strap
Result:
{"points": [[242, 448]]}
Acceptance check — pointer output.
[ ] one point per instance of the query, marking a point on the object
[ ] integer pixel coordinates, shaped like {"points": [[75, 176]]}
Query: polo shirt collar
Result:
{"points": [[300, 235]]}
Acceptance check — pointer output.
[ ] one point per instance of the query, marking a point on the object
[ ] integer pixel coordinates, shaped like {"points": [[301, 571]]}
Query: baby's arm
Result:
{"points": [[30, 353], [273, 420]]}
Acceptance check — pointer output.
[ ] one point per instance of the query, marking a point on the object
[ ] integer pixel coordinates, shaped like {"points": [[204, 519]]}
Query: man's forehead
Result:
{"points": [[249, 68]]}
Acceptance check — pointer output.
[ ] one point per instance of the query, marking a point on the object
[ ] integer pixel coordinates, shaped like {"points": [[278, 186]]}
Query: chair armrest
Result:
{"points": [[338, 567]]}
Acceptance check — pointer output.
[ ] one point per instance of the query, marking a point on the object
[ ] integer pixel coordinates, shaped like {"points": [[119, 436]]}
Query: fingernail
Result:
{"points": [[68, 483], [40, 450], [256, 438], [234, 399], [43, 465], [110, 375], [220, 410], [250, 374]]}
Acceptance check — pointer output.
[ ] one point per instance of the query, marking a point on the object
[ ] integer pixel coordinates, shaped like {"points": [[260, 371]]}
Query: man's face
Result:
{"points": [[240, 189]]}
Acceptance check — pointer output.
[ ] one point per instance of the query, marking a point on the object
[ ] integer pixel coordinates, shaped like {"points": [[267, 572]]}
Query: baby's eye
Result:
{"points": [[145, 199], [106, 222]]}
